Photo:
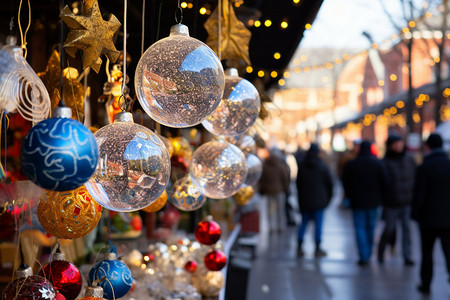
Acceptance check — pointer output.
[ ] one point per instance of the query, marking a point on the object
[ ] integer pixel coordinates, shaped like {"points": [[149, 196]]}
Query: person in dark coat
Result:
{"points": [[365, 180], [315, 188], [401, 169], [431, 207]]}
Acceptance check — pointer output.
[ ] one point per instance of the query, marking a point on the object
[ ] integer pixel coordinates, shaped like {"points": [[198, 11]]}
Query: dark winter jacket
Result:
{"points": [[431, 201], [365, 179], [401, 169], [314, 184], [275, 176]]}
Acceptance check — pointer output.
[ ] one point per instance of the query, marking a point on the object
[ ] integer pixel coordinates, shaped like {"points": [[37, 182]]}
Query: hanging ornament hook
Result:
{"points": [[180, 11]]}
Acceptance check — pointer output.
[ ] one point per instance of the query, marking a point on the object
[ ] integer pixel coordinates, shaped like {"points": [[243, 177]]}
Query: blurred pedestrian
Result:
{"points": [[365, 181], [273, 185], [401, 169], [315, 188], [431, 207]]}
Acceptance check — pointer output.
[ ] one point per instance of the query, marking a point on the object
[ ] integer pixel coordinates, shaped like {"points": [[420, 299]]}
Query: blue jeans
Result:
{"points": [[317, 216], [364, 221]]}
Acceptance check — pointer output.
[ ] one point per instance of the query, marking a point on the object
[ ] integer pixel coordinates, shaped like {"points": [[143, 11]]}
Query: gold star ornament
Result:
{"points": [[234, 36], [91, 34]]}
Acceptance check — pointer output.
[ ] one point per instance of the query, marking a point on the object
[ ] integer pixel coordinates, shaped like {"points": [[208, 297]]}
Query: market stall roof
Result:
{"points": [[159, 17]]}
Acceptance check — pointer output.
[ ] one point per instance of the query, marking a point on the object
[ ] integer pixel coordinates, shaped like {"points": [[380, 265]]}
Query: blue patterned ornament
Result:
{"points": [[59, 153], [115, 276]]}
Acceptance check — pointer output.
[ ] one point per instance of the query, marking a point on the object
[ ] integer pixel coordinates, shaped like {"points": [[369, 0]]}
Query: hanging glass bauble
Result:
{"points": [[238, 108], [28, 286], [68, 215], [186, 195], [167, 143], [59, 153], [255, 168], [208, 283], [208, 232], [244, 142], [20, 87], [64, 276], [244, 195], [190, 266], [179, 80], [114, 275], [158, 204], [218, 168], [215, 260], [134, 166]]}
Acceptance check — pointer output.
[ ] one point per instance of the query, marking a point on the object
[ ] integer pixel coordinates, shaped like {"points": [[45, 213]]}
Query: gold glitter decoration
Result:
{"points": [[244, 195], [158, 204], [91, 34], [234, 37], [68, 215], [73, 91]]}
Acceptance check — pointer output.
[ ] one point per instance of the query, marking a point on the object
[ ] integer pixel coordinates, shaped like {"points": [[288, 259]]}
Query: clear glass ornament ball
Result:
{"points": [[238, 108], [179, 80], [133, 168], [219, 168], [186, 195], [255, 168], [244, 142]]}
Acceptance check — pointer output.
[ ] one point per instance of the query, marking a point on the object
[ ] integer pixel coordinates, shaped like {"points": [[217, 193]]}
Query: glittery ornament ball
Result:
{"points": [[244, 195], [29, 288], [186, 195], [215, 260], [64, 276], [68, 215], [158, 204], [134, 166], [179, 80], [255, 168], [209, 283], [218, 168], [118, 277], [238, 108], [207, 232], [59, 153]]}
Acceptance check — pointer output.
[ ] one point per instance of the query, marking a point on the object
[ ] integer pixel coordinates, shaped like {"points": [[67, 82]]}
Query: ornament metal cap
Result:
{"points": [[179, 29], [110, 256], [62, 112], [124, 117], [94, 291], [24, 271], [59, 256], [232, 72]]}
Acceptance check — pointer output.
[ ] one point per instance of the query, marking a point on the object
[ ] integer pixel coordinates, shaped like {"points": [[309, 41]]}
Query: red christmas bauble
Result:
{"points": [[65, 276], [207, 232], [29, 288], [190, 266], [60, 296], [215, 260]]}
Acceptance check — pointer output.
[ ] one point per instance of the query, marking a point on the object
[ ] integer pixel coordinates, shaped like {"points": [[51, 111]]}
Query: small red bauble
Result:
{"points": [[190, 266], [215, 260], [60, 296], [65, 276], [207, 232]]}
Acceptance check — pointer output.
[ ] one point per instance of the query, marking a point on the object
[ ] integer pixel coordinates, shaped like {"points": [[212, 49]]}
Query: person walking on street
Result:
{"points": [[401, 169], [431, 207], [365, 180], [315, 189]]}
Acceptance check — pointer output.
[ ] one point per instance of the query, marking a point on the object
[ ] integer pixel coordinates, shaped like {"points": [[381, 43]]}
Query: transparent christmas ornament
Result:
{"points": [[218, 168], [208, 283], [244, 142], [134, 166], [255, 168], [186, 195], [179, 80], [20, 87], [244, 195], [238, 108]]}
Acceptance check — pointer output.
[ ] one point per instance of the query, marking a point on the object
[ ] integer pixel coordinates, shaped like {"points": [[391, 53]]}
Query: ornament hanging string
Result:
{"points": [[180, 10], [219, 28], [61, 58], [73, 93], [124, 77], [23, 36], [143, 27]]}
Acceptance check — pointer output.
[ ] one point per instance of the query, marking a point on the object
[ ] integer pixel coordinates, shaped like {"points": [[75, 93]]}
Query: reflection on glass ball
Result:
{"points": [[244, 195], [238, 108], [167, 144], [158, 204], [179, 80], [186, 195], [134, 166], [209, 283], [245, 142], [255, 168], [218, 168], [68, 215]]}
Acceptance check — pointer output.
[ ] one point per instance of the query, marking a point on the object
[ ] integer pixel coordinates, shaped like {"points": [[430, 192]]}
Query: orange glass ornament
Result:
{"points": [[68, 215], [158, 204]]}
